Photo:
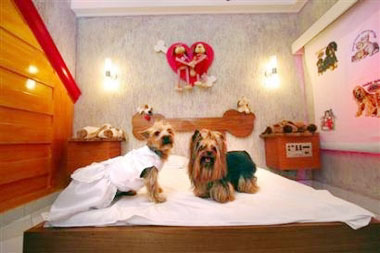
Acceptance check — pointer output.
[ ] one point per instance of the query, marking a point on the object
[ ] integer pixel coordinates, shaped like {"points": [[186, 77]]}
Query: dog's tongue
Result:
{"points": [[207, 159]]}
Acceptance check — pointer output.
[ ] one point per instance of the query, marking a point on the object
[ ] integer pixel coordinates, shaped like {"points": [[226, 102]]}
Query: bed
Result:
{"points": [[283, 216]]}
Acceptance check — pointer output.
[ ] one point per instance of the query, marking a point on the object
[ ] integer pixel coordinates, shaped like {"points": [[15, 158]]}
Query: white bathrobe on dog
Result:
{"points": [[95, 186]]}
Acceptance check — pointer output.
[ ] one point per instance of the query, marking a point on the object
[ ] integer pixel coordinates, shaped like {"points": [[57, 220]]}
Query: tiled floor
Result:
{"points": [[13, 223], [16, 221]]}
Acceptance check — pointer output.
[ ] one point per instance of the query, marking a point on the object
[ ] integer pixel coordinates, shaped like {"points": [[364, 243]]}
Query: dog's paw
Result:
{"points": [[160, 198], [201, 194], [201, 191], [222, 193]]}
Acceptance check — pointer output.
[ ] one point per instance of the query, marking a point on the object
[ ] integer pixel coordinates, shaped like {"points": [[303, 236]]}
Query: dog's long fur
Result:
{"points": [[160, 139], [370, 103], [209, 168]]}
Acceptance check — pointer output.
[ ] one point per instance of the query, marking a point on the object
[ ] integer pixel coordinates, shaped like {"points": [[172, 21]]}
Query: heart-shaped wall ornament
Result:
{"points": [[191, 63]]}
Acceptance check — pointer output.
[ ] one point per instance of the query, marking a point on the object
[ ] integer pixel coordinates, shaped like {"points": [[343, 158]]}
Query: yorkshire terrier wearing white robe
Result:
{"points": [[95, 186]]}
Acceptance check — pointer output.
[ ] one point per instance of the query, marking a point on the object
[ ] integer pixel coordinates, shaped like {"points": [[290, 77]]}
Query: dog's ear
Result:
{"points": [[220, 135], [195, 135], [145, 133]]}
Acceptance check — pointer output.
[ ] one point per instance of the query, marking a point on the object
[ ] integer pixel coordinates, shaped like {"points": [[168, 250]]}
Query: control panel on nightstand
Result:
{"points": [[299, 149]]}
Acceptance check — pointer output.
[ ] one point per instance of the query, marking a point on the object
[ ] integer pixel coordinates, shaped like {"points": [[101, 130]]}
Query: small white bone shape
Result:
{"points": [[210, 80], [160, 47]]}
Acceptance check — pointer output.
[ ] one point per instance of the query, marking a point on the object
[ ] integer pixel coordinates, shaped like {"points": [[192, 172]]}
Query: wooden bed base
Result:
{"points": [[301, 237]]}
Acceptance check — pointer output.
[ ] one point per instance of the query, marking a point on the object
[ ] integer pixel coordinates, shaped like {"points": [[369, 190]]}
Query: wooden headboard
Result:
{"points": [[236, 123]]}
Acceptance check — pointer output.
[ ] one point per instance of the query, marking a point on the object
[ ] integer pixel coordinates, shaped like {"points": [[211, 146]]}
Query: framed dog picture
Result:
{"points": [[346, 86]]}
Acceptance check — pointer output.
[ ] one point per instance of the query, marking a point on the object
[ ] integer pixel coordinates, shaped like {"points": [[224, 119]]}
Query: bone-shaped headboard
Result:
{"points": [[236, 123]]}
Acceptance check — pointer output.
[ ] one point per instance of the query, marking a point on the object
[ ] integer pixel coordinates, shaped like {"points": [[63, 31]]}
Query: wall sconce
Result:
{"points": [[110, 70], [110, 73], [271, 76]]}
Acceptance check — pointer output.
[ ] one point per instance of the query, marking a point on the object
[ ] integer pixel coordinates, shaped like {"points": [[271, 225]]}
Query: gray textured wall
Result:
{"points": [[312, 11], [62, 25], [242, 45]]}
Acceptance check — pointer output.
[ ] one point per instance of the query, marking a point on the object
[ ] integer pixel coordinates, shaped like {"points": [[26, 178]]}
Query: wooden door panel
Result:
{"points": [[23, 187], [24, 93], [17, 152], [24, 59], [23, 169], [12, 20], [18, 126]]}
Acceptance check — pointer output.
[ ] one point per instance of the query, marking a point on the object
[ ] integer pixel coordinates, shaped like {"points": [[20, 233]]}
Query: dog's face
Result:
{"points": [[331, 49], [160, 136], [207, 156], [146, 110], [359, 93]]}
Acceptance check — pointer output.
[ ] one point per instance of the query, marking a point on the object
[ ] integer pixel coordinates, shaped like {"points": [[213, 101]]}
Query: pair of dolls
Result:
{"points": [[194, 68]]}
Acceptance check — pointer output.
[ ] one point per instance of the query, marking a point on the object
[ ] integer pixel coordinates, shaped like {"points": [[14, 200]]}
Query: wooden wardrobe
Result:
{"points": [[36, 110]]}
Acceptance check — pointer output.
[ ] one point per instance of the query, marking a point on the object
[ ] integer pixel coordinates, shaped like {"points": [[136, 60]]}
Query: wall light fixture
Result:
{"points": [[271, 75], [111, 82]]}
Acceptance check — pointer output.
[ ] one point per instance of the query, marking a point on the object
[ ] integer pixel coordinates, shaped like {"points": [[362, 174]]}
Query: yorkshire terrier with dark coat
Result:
{"points": [[216, 173]]}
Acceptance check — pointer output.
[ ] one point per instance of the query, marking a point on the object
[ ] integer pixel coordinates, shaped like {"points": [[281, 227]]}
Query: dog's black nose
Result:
{"points": [[209, 153], [166, 140]]}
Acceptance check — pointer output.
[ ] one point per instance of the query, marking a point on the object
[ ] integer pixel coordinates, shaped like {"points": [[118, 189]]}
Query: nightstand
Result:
{"points": [[292, 151], [81, 152]]}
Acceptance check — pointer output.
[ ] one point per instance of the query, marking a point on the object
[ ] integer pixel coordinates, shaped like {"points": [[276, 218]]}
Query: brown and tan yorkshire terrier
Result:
{"points": [[93, 186], [160, 141], [216, 173]]}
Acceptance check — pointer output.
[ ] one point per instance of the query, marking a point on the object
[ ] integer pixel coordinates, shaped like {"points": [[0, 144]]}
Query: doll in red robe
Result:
{"points": [[199, 64], [182, 64]]}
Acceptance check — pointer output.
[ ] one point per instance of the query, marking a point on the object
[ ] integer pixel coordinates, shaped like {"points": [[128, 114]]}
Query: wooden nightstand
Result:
{"points": [[81, 153], [292, 151]]}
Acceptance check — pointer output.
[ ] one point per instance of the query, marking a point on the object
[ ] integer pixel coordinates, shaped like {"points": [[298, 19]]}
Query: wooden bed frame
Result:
{"points": [[297, 237], [301, 237]]}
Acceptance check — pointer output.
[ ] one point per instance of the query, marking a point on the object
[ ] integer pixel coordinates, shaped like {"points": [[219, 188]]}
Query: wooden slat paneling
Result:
{"points": [[18, 126], [36, 123], [11, 20], [23, 169], [18, 56], [15, 93], [17, 152], [62, 124], [18, 189]]}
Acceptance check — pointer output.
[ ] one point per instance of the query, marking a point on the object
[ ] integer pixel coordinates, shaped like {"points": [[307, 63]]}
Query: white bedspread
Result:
{"points": [[278, 201]]}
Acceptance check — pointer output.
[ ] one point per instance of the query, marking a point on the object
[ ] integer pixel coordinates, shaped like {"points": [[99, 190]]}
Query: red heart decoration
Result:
{"points": [[188, 56]]}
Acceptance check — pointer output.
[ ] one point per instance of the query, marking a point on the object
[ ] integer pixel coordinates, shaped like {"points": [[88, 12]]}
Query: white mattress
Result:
{"points": [[279, 201]]}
